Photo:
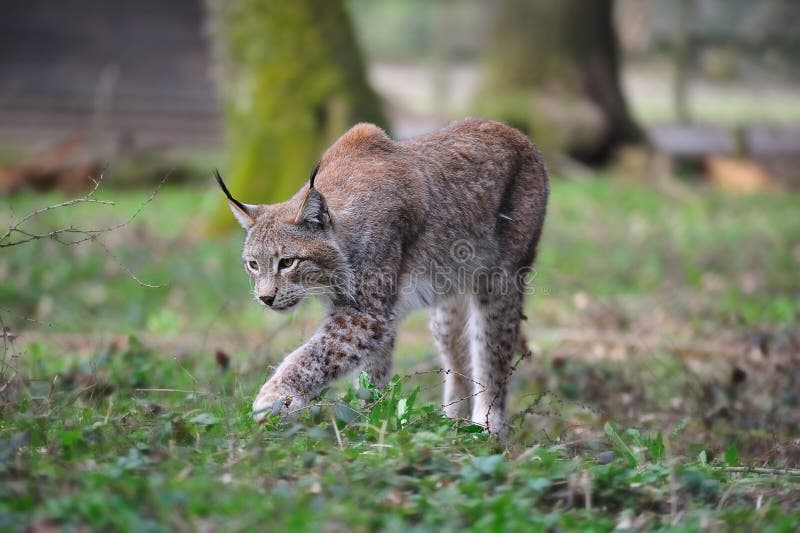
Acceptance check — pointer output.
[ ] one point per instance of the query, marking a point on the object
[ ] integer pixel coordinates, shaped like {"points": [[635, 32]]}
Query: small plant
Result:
{"points": [[637, 448], [152, 432]]}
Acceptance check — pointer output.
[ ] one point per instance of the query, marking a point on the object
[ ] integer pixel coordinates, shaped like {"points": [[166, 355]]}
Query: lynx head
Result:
{"points": [[290, 251]]}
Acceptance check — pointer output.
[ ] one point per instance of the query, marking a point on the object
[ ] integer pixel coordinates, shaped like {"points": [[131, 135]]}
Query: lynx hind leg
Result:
{"points": [[448, 322], [494, 336]]}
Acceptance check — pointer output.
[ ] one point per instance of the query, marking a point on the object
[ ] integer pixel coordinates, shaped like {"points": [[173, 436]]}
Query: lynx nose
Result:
{"points": [[267, 299]]}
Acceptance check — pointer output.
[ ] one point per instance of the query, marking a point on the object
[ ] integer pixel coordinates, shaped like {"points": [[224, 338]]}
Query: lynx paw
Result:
{"points": [[274, 400]]}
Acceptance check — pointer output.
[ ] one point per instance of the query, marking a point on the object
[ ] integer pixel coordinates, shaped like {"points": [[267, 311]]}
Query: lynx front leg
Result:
{"points": [[378, 366], [344, 341], [494, 330], [448, 323]]}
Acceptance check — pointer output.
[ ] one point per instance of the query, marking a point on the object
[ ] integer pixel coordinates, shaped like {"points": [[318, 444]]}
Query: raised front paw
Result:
{"points": [[272, 399]]}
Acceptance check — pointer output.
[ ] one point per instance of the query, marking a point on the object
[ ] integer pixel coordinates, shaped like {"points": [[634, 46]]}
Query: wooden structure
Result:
{"points": [[128, 75]]}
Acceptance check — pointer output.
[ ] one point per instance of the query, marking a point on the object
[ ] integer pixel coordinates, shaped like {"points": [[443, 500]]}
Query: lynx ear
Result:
{"points": [[314, 211], [244, 213]]}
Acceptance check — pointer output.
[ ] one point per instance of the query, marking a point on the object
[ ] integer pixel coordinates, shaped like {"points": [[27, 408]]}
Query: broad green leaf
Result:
{"points": [[344, 413]]}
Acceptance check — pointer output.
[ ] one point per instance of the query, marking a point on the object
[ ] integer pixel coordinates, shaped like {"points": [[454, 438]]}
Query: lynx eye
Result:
{"points": [[286, 262], [252, 265]]}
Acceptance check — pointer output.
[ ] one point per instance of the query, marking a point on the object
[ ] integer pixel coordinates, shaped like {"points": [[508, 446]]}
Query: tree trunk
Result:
{"points": [[552, 69], [292, 80]]}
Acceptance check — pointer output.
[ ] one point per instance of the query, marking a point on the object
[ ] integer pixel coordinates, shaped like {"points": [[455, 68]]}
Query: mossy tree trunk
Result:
{"points": [[292, 80], [552, 69]]}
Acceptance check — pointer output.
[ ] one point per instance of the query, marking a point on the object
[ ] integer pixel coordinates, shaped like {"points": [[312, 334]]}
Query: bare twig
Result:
{"points": [[8, 348], [762, 470], [446, 371], [7, 240], [182, 391], [525, 353], [18, 234], [14, 228]]}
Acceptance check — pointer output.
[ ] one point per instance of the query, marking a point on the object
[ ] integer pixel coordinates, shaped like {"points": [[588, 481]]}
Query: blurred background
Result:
{"points": [[672, 131], [707, 83]]}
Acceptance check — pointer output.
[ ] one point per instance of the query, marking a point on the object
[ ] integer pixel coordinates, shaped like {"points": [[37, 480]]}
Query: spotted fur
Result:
{"points": [[449, 221]]}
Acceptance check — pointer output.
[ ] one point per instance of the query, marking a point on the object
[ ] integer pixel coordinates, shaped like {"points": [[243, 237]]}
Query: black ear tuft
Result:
{"points": [[313, 175], [224, 188], [242, 212]]}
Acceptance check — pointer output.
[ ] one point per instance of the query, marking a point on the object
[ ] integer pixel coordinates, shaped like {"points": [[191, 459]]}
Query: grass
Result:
{"points": [[664, 328]]}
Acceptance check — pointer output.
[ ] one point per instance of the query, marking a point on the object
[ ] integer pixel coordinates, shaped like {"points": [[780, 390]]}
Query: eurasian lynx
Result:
{"points": [[449, 220]]}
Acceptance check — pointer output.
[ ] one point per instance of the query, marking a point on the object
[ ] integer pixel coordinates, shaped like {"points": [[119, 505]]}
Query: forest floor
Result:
{"points": [[663, 391]]}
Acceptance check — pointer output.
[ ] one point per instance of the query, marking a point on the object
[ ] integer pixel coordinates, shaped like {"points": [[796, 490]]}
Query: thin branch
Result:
{"points": [[15, 227], [762, 470], [182, 391], [25, 318], [8, 348], [84, 199], [84, 234], [124, 268], [81, 235]]}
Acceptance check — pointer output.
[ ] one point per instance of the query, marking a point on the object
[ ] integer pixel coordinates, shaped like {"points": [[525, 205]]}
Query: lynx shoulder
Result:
{"points": [[450, 221]]}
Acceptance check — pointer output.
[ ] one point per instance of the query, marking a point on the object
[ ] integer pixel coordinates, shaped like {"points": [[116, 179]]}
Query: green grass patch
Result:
{"points": [[663, 326], [101, 444]]}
